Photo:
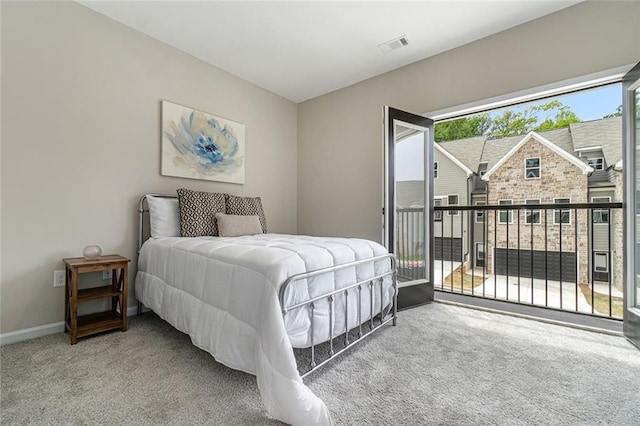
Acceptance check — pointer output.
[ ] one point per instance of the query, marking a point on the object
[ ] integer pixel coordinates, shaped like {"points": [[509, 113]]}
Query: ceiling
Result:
{"points": [[305, 49]]}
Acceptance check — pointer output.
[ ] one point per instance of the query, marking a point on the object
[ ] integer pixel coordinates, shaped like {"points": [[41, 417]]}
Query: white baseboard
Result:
{"points": [[44, 330], [31, 333]]}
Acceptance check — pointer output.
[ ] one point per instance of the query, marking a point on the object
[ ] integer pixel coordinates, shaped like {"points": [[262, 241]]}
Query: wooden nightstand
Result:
{"points": [[102, 321]]}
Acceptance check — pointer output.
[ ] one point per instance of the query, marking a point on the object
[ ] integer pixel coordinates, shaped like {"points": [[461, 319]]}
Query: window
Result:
{"points": [[532, 168], [480, 252], [561, 216], [600, 216], [505, 216], [532, 216], [480, 213], [435, 170], [437, 215], [452, 200], [482, 169], [596, 163], [601, 262]]}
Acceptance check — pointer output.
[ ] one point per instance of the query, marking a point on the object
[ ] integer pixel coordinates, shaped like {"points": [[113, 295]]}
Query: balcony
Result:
{"points": [[566, 257]]}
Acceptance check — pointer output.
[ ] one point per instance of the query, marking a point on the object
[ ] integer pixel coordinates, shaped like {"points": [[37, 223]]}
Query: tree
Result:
{"points": [[510, 122], [618, 113], [462, 128], [563, 116]]}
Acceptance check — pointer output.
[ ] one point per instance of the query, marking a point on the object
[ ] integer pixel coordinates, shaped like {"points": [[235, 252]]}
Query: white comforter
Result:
{"points": [[223, 292]]}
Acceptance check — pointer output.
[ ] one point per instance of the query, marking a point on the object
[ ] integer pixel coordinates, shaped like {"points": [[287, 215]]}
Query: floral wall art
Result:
{"points": [[198, 145]]}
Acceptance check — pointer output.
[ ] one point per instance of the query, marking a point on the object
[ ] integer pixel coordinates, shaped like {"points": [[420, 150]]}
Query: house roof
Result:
{"points": [[553, 146], [468, 151], [605, 133], [455, 160]]}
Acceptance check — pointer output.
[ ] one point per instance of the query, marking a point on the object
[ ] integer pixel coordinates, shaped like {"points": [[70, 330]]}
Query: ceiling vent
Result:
{"points": [[394, 44]]}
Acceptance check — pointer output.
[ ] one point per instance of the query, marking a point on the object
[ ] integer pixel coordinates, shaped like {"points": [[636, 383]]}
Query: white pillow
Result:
{"points": [[164, 216], [231, 225]]}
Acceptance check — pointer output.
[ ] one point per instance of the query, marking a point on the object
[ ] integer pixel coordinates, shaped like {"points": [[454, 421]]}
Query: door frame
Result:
{"points": [[631, 315], [417, 292]]}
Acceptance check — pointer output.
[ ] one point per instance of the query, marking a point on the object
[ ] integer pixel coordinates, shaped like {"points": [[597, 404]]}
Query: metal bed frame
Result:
{"points": [[376, 321]]}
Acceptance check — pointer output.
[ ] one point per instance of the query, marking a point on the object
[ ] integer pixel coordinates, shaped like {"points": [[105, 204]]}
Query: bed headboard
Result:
{"points": [[143, 213]]}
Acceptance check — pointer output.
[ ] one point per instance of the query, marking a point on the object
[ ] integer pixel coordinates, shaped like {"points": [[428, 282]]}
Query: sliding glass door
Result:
{"points": [[409, 203], [631, 124]]}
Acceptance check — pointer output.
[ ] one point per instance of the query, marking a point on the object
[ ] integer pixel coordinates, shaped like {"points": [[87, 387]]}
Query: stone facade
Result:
{"points": [[617, 238], [559, 178]]}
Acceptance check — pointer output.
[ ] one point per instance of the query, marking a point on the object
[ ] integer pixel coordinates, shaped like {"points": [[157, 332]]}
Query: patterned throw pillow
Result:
{"points": [[247, 206], [197, 211]]}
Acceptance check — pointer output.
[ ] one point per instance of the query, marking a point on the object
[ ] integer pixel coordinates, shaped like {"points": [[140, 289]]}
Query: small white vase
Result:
{"points": [[92, 252]]}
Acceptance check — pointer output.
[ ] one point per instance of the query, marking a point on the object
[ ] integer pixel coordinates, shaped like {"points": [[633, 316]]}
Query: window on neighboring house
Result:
{"points": [[562, 216], [482, 169], [437, 215], [532, 168], [601, 262], [435, 170], [480, 213], [505, 216], [452, 200], [480, 254], [532, 216], [596, 163], [600, 216]]}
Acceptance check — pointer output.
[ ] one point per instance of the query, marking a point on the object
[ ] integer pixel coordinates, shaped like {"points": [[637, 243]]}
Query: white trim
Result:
{"points": [[453, 159], [450, 212], [606, 254], [475, 255], [527, 168], [509, 213], [532, 210], [44, 330], [586, 169], [560, 210], [598, 196], [438, 198], [613, 75], [31, 333], [594, 209], [589, 148], [596, 158], [484, 212]]}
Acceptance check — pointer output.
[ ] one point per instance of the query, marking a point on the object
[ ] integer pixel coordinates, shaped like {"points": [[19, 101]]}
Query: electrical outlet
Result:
{"points": [[58, 278], [106, 275]]}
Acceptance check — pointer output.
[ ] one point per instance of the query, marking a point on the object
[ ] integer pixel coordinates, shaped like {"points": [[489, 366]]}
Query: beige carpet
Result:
{"points": [[442, 365]]}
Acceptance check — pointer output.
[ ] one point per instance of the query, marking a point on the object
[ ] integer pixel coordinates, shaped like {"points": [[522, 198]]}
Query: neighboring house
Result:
{"points": [[580, 163], [537, 171], [452, 186]]}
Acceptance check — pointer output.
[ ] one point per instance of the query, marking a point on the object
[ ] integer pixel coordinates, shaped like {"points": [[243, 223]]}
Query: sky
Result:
{"points": [[588, 105]]}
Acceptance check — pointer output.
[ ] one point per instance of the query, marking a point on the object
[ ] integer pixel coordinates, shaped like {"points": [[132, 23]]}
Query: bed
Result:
{"points": [[249, 300]]}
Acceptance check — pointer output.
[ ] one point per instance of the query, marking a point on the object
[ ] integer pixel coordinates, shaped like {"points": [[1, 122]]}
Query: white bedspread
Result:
{"points": [[223, 292]]}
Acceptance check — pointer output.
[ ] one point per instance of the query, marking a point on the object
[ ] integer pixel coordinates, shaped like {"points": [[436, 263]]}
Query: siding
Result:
{"points": [[601, 231], [452, 180]]}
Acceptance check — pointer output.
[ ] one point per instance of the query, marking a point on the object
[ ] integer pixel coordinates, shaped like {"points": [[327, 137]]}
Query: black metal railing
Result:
{"points": [[558, 256]]}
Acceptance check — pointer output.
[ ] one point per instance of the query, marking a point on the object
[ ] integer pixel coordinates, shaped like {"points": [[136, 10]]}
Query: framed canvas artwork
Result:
{"points": [[199, 145]]}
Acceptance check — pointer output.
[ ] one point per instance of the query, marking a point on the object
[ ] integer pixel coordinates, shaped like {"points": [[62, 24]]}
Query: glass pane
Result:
{"points": [[410, 203], [637, 212]]}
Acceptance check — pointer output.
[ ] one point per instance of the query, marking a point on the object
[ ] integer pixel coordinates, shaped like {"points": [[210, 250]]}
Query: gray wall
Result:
{"points": [[340, 148], [452, 180], [81, 143]]}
